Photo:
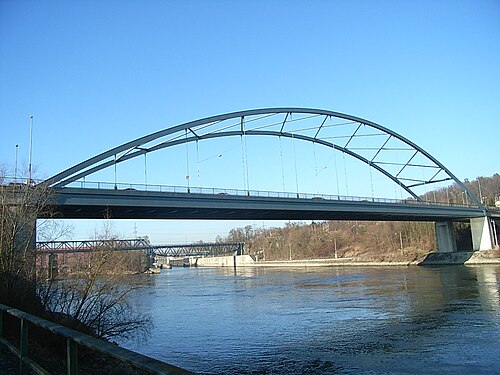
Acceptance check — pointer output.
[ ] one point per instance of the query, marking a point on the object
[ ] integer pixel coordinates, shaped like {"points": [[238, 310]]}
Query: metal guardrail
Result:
{"points": [[235, 192], [74, 339], [249, 193]]}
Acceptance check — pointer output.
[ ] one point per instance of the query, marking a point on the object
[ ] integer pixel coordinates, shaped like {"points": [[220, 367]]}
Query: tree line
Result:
{"points": [[368, 240], [486, 189], [376, 241]]}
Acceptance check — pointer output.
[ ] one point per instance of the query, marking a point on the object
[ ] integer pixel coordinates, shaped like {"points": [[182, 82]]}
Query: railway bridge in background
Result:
{"points": [[377, 147], [52, 254], [141, 244]]}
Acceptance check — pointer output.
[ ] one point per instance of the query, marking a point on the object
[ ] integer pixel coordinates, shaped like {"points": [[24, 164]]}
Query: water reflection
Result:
{"points": [[489, 282], [329, 320]]}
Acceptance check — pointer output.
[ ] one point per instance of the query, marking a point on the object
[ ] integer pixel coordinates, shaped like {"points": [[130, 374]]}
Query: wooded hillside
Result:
{"points": [[377, 241]]}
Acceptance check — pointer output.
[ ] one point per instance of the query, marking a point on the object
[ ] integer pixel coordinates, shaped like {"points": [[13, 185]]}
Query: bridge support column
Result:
{"points": [[52, 268], [445, 237], [150, 259], [483, 233]]}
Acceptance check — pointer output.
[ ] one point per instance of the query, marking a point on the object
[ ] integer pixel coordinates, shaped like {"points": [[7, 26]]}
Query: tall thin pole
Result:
{"points": [[480, 193], [116, 187], [31, 148], [15, 166], [187, 162], [145, 170]]}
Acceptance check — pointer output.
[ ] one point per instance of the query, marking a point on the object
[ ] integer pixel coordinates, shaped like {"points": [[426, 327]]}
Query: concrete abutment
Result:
{"points": [[484, 232], [445, 237]]}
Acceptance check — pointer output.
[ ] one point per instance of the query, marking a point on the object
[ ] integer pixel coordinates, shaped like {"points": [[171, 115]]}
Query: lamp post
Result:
{"points": [[400, 241], [480, 193], [15, 165], [465, 198], [31, 149], [202, 161], [317, 173]]}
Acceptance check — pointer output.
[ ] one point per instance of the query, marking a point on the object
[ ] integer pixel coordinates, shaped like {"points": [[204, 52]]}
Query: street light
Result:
{"points": [[465, 198], [400, 241], [318, 171], [15, 165], [31, 148], [204, 160]]}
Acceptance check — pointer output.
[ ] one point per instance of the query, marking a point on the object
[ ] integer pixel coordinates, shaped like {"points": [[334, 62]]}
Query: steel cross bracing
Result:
{"points": [[203, 249], [383, 150], [91, 245], [198, 249]]}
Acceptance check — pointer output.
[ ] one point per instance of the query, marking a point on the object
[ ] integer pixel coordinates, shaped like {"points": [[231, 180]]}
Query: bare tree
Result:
{"points": [[96, 299], [20, 204]]}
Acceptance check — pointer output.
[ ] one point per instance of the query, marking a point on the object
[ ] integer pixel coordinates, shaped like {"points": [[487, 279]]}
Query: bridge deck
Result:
{"points": [[127, 204]]}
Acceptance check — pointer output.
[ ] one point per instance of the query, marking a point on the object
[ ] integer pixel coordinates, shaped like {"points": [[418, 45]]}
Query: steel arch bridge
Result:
{"points": [[341, 132]]}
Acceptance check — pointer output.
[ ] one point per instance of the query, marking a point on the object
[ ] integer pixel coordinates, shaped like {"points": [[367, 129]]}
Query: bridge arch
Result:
{"points": [[275, 122]]}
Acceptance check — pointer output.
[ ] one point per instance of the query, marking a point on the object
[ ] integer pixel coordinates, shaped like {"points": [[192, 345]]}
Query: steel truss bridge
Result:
{"points": [[403, 163], [86, 246], [186, 250], [198, 249]]}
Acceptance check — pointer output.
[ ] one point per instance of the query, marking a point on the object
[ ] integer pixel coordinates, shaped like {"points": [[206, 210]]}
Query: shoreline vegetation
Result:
{"points": [[95, 303]]}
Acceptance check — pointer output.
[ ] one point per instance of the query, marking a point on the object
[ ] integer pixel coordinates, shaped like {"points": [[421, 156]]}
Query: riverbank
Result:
{"points": [[333, 262], [461, 257]]}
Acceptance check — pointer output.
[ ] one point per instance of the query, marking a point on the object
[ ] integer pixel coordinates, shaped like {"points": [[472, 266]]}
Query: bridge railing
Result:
{"points": [[250, 193], [10, 181]]}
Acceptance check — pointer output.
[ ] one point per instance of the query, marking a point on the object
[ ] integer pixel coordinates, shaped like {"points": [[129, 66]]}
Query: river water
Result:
{"points": [[437, 320]]}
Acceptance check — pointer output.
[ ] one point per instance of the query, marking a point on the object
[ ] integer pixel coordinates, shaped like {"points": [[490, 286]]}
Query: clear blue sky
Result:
{"points": [[95, 74]]}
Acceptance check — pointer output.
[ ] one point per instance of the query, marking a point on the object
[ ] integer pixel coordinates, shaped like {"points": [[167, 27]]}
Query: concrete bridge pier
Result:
{"points": [[445, 237], [484, 233]]}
